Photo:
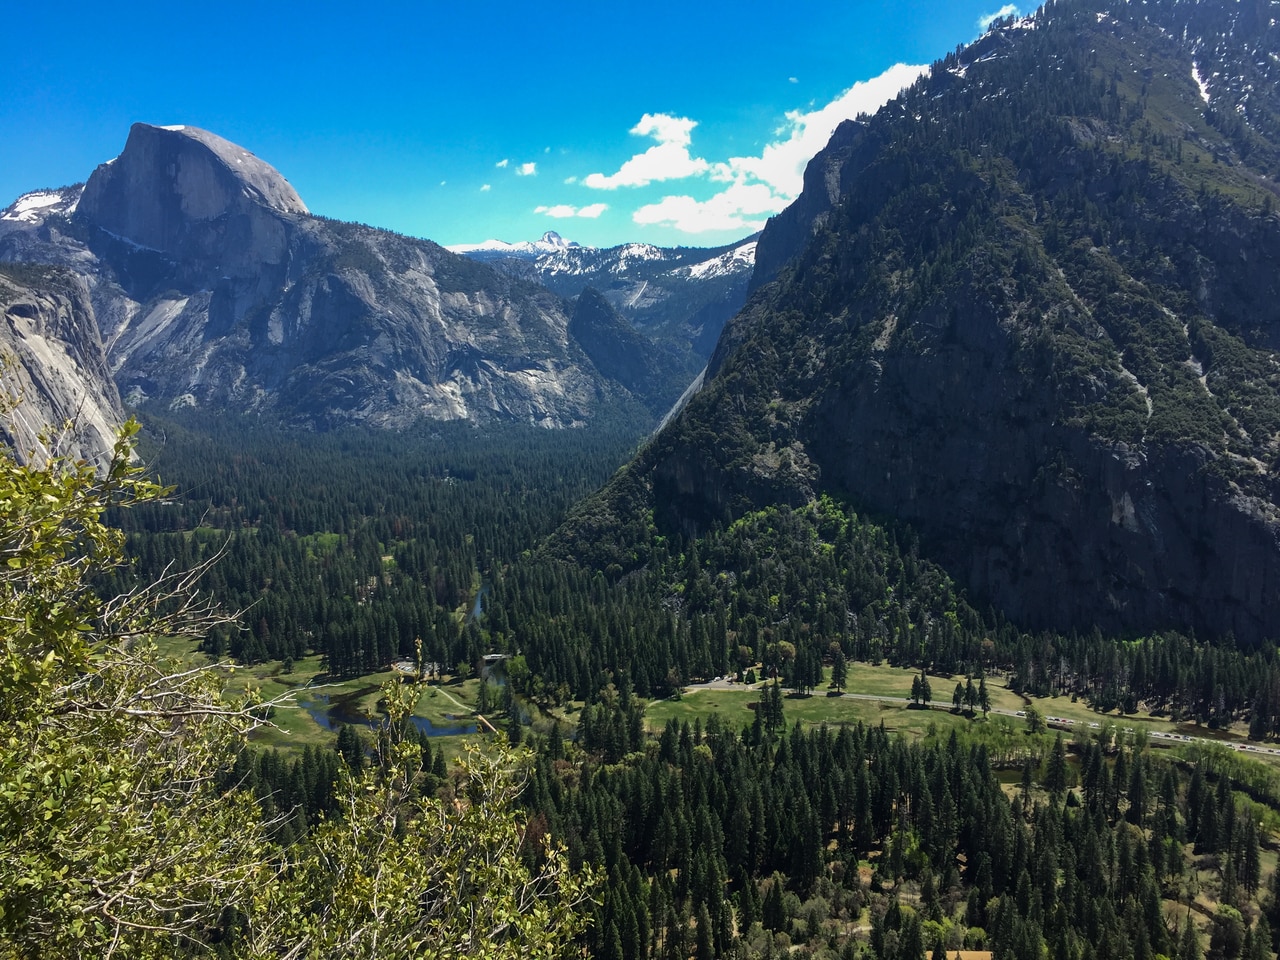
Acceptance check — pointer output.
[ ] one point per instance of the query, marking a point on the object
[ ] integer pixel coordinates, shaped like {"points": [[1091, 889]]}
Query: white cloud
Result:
{"points": [[760, 186], [1007, 10], [668, 159], [793, 79], [527, 170], [563, 210], [486, 188], [781, 164], [502, 163], [743, 206]]}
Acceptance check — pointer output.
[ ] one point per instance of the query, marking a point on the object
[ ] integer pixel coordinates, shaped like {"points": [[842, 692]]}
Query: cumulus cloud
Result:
{"points": [[563, 210], [485, 188], [781, 164], [502, 163], [742, 207], [759, 186], [1007, 10], [526, 170], [667, 159]]}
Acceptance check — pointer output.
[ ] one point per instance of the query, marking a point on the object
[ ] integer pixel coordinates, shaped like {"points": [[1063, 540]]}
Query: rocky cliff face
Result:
{"points": [[656, 373], [680, 298], [193, 196], [1030, 310], [214, 287], [55, 372]]}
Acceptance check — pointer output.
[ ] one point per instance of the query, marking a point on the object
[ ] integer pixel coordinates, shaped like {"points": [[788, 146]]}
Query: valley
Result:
{"points": [[898, 580]]}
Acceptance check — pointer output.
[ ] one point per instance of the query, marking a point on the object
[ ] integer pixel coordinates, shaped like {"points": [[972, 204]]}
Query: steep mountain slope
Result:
{"points": [[55, 370], [679, 296], [654, 373], [214, 287], [1030, 309]]}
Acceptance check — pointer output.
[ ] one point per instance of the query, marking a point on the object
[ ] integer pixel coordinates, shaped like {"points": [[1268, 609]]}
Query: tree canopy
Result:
{"points": [[119, 832]]}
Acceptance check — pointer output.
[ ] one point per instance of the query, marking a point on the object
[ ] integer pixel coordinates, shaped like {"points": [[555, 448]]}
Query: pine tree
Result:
{"points": [[839, 671], [772, 915], [1055, 779], [705, 939], [1189, 944]]}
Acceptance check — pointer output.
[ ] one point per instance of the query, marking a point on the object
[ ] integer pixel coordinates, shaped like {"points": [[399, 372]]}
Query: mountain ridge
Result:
{"points": [[677, 296], [215, 287], [1026, 309]]}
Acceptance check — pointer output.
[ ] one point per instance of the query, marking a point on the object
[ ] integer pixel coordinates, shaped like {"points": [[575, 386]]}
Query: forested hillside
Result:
{"points": [[1027, 308], [355, 544]]}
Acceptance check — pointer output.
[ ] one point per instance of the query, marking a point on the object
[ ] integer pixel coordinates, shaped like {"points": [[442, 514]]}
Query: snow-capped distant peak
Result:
{"points": [[634, 252], [34, 207], [551, 242], [553, 239], [500, 246]]}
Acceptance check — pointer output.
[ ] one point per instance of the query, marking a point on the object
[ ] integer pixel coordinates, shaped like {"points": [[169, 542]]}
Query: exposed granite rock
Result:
{"points": [[214, 287], [192, 195], [56, 372]]}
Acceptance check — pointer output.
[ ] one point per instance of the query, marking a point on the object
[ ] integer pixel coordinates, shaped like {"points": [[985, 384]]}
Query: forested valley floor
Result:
{"points": [[690, 738]]}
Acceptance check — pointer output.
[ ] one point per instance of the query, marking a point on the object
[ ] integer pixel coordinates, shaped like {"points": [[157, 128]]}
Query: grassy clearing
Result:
{"points": [[454, 703], [733, 706], [447, 704]]}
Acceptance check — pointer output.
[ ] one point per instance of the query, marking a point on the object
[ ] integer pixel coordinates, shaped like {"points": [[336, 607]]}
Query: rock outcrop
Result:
{"points": [[58, 394], [215, 288]]}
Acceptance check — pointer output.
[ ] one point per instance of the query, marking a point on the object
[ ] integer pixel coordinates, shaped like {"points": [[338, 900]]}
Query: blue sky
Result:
{"points": [[672, 123]]}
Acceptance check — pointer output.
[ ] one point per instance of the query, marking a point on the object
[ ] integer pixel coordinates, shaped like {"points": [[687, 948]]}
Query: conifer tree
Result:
{"points": [[839, 671], [1055, 779]]}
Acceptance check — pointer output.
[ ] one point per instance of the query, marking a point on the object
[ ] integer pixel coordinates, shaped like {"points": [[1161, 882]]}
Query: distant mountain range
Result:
{"points": [[214, 287], [681, 296], [1030, 310], [551, 242]]}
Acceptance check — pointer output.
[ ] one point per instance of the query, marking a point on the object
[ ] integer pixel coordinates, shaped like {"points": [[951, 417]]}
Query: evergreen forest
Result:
{"points": [[715, 837]]}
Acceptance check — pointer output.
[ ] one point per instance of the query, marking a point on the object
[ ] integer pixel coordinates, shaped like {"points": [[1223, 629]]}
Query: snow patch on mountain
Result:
{"points": [[736, 260], [635, 253], [551, 242], [1200, 82], [36, 206]]}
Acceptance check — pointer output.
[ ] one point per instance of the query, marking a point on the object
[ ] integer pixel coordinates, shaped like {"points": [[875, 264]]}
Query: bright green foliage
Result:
{"points": [[115, 838], [111, 836], [441, 880]]}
